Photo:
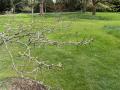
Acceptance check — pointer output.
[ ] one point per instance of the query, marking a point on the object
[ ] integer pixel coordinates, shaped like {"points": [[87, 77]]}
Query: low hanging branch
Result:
{"points": [[27, 39], [38, 37]]}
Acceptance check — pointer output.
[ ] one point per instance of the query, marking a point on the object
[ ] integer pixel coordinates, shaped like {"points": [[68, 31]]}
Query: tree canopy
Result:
{"points": [[65, 5]]}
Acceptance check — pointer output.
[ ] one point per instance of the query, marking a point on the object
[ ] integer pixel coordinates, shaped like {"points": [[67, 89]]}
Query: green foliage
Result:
{"points": [[66, 5]]}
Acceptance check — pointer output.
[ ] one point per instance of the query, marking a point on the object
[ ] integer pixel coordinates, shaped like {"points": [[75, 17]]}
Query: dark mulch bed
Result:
{"points": [[21, 84]]}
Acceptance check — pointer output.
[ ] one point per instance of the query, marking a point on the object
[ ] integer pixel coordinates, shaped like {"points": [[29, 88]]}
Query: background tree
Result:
{"points": [[42, 6], [4, 5]]}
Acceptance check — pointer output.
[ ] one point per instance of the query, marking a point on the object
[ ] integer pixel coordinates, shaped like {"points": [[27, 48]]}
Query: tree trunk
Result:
{"points": [[94, 7], [84, 6], [94, 10], [42, 7], [45, 8], [32, 10]]}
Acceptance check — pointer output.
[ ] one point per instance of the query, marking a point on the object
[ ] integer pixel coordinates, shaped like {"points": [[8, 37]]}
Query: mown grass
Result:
{"points": [[92, 67]]}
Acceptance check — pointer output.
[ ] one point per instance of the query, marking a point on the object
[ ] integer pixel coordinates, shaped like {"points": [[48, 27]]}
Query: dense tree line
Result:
{"points": [[4, 5], [59, 5]]}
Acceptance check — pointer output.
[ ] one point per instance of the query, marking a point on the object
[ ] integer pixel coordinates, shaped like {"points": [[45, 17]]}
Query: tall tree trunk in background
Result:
{"points": [[32, 8], [94, 2], [84, 6], [45, 7], [32, 11], [42, 7], [13, 7]]}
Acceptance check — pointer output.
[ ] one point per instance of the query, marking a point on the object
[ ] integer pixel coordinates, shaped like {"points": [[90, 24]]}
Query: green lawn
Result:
{"points": [[92, 67]]}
